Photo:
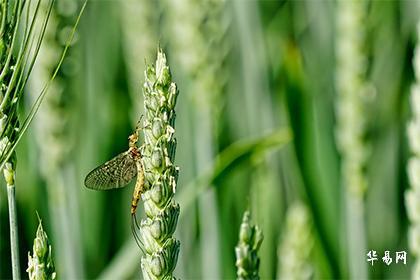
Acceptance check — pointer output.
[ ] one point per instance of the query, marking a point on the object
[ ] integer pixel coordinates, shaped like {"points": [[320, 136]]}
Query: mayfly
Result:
{"points": [[118, 172]]}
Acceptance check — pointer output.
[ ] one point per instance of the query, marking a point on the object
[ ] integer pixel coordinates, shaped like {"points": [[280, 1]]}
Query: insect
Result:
{"points": [[118, 172]]}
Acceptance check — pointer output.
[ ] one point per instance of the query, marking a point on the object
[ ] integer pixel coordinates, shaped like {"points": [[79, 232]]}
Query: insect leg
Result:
{"points": [[138, 125]]}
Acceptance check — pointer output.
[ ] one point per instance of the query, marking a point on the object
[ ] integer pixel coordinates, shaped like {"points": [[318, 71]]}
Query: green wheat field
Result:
{"points": [[277, 139]]}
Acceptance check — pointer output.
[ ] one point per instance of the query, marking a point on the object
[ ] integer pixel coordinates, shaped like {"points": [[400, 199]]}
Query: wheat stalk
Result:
{"points": [[201, 62], [351, 102], [161, 175], [203, 56]]}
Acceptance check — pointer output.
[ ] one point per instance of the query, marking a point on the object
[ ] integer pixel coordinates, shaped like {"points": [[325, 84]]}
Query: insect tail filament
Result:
{"points": [[134, 227]]}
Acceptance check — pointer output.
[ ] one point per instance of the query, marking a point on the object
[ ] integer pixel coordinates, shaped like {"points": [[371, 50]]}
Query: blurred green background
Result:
{"points": [[255, 128]]}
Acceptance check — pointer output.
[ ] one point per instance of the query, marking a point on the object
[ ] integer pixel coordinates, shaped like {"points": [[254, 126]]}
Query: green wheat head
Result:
{"points": [[54, 126], [250, 239], [158, 154], [40, 264], [353, 93], [204, 56], [21, 29], [11, 71]]}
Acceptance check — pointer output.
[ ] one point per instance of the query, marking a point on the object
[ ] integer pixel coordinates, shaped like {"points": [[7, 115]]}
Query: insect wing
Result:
{"points": [[115, 173]]}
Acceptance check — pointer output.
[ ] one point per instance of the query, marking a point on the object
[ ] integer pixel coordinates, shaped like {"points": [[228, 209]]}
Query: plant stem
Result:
{"points": [[356, 239], [9, 175]]}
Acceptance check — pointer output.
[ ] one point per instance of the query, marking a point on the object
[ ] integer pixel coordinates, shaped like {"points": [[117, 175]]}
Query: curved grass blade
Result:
{"points": [[232, 157]]}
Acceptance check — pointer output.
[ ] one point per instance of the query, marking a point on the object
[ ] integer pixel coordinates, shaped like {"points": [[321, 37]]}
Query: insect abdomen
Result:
{"points": [[138, 189]]}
